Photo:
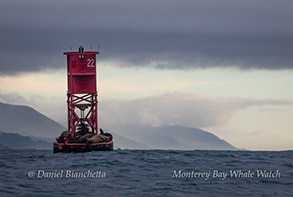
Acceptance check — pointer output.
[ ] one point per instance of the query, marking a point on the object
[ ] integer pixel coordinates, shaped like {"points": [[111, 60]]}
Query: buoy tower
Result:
{"points": [[82, 102], [82, 107]]}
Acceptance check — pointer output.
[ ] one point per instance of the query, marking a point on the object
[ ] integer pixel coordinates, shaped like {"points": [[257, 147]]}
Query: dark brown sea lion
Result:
{"points": [[84, 138], [67, 135], [64, 134], [98, 138], [109, 135], [72, 140], [81, 133]]}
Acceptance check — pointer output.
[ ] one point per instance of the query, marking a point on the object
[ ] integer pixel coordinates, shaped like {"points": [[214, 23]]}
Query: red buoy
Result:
{"points": [[82, 103]]}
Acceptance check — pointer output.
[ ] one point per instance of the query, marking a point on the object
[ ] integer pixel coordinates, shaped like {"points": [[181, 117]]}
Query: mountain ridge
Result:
{"points": [[28, 122], [25, 120], [174, 137]]}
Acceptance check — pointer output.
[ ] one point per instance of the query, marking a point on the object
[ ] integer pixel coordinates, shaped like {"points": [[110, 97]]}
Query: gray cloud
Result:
{"points": [[186, 109], [172, 34], [56, 111], [177, 109], [13, 98]]}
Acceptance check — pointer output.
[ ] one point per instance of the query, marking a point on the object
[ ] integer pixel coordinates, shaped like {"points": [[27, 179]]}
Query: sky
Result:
{"points": [[222, 66]]}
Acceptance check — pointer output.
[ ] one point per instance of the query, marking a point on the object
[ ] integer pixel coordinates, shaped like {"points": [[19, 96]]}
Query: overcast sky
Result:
{"points": [[222, 64], [163, 34]]}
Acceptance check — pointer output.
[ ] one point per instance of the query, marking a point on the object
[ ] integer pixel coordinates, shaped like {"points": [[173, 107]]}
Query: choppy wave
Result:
{"points": [[146, 173]]}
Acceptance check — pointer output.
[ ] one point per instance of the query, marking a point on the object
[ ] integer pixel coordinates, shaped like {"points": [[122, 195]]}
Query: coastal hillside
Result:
{"points": [[40, 131]]}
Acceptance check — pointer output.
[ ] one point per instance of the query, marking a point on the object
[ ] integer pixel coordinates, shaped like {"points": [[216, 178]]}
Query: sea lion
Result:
{"points": [[98, 138], [84, 138], [109, 135], [82, 133], [64, 134], [67, 135], [101, 131], [83, 129]]}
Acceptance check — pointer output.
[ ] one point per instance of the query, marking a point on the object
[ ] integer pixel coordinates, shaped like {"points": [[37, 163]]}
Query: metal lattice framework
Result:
{"points": [[82, 101]]}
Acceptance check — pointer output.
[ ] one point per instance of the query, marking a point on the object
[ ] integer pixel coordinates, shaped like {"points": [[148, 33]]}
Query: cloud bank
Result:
{"points": [[187, 109], [162, 34]]}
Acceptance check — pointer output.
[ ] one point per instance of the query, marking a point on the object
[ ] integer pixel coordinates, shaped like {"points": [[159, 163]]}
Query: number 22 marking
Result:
{"points": [[90, 63]]}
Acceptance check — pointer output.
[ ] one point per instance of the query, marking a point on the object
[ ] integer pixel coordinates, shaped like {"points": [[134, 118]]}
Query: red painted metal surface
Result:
{"points": [[82, 90]]}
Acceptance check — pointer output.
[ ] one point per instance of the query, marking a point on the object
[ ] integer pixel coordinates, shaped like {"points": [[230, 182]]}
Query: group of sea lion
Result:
{"points": [[84, 137]]}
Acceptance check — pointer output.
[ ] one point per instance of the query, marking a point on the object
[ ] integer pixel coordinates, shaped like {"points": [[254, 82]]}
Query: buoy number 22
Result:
{"points": [[90, 63]]}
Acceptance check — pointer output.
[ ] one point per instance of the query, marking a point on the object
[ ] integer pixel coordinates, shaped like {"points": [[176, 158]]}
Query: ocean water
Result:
{"points": [[146, 173]]}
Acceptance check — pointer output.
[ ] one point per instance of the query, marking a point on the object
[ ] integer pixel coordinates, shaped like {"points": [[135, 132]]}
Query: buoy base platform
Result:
{"points": [[82, 147]]}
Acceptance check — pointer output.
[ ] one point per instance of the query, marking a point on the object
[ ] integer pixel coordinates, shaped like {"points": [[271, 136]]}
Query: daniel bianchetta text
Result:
{"points": [[222, 175], [66, 174]]}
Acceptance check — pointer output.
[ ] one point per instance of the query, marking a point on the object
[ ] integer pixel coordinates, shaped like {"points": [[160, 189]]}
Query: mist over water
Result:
{"points": [[146, 173]]}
